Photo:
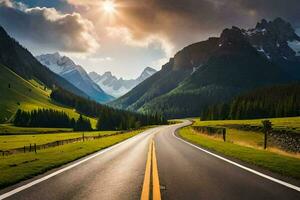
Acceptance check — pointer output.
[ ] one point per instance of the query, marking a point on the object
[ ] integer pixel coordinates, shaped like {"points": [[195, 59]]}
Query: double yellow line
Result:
{"points": [[151, 162]]}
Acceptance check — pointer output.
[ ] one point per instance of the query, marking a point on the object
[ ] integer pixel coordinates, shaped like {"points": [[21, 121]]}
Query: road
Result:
{"points": [[183, 172]]}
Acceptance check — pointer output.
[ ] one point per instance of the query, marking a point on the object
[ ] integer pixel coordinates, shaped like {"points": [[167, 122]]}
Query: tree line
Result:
{"points": [[108, 118], [268, 102], [51, 119]]}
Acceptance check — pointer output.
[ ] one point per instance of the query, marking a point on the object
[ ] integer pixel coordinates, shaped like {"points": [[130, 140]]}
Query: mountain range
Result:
{"points": [[22, 62], [75, 74], [216, 70], [118, 87]]}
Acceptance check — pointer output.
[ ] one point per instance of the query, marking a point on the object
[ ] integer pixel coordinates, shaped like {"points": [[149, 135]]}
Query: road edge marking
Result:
{"points": [[146, 184], [30, 184], [289, 185], [155, 178]]}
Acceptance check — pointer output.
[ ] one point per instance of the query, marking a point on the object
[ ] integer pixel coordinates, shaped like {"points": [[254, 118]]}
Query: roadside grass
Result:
{"points": [[18, 167], [285, 165], [253, 138], [18, 141], [26, 95], [245, 138], [287, 123]]}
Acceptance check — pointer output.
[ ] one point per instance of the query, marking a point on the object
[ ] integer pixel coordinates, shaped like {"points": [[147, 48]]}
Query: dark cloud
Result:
{"points": [[48, 27], [185, 21]]}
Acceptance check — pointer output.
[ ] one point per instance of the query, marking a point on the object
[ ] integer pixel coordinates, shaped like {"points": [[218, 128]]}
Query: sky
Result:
{"points": [[125, 36]]}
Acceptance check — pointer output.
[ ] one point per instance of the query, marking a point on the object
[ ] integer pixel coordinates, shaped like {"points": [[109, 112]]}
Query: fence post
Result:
{"points": [[224, 134], [267, 127], [35, 147], [30, 148], [265, 142], [24, 149], [83, 137]]}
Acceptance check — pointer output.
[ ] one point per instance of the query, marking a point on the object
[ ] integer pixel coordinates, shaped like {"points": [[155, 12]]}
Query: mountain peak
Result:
{"points": [[118, 87], [231, 35], [108, 74], [56, 54], [75, 74], [278, 27], [147, 72], [150, 69]]}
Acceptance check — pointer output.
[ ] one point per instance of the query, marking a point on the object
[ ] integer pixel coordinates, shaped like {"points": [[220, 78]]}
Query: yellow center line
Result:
{"points": [[156, 186], [146, 185], [151, 162]]}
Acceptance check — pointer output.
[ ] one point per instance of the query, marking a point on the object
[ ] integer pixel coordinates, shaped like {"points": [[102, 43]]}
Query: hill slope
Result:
{"points": [[18, 93], [206, 73]]}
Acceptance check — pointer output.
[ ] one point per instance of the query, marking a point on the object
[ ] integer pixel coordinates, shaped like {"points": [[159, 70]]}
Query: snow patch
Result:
{"points": [[295, 46], [262, 51]]}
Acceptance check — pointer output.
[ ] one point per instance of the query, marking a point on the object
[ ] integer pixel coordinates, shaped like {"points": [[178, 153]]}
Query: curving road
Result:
{"points": [[118, 173]]}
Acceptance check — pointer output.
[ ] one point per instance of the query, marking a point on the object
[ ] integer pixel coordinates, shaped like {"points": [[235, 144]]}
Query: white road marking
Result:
{"points": [[241, 166], [28, 185]]}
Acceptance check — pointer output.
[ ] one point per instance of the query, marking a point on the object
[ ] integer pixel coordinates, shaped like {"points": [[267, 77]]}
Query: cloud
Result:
{"points": [[48, 27], [178, 23]]}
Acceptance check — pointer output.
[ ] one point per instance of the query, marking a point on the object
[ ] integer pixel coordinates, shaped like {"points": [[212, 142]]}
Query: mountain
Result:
{"points": [[118, 87], [209, 72], [23, 63], [75, 74], [278, 42]]}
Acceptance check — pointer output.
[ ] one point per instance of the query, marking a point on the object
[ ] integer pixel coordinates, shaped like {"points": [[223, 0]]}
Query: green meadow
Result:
{"points": [[18, 93], [18, 141]]}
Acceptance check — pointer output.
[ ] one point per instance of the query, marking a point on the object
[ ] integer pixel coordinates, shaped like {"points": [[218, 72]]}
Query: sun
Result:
{"points": [[109, 6]]}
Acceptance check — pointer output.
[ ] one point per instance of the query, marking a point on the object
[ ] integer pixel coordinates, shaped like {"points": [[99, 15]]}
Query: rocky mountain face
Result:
{"points": [[75, 74], [216, 70], [277, 41], [118, 87], [23, 63]]}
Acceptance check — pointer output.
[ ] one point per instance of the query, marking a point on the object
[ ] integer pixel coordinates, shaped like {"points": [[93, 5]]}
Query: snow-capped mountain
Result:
{"points": [[118, 87], [75, 74], [278, 42]]}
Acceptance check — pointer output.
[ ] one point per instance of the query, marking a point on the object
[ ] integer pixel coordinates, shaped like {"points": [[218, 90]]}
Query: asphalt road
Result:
{"points": [[184, 172]]}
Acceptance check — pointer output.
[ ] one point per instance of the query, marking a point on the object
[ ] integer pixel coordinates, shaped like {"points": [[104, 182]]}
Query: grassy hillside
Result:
{"points": [[26, 95]]}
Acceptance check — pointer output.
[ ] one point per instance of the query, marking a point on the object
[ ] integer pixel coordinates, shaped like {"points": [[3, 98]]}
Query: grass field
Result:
{"points": [[251, 138], [285, 165], [17, 141], [19, 167], [26, 95], [288, 123], [10, 129]]}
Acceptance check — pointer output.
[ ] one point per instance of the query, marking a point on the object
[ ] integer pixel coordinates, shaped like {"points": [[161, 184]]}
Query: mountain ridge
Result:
{"points": [[118, 87], [75, 74]]}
